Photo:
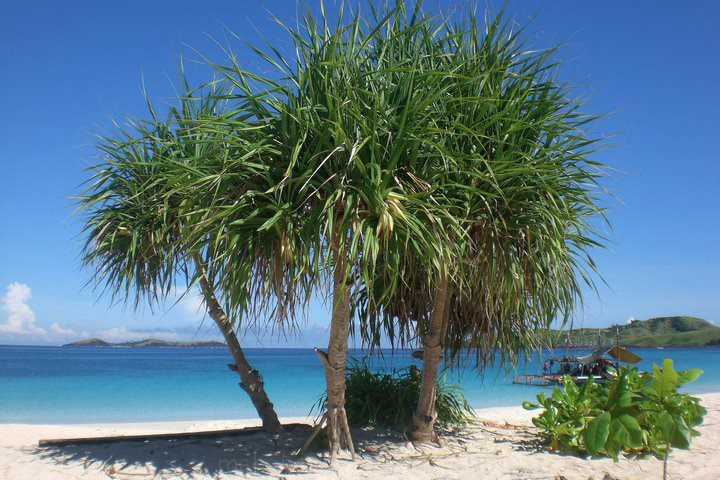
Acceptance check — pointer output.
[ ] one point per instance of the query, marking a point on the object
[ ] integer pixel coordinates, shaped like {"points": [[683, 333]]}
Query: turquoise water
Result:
{"points": [[86, 384]]}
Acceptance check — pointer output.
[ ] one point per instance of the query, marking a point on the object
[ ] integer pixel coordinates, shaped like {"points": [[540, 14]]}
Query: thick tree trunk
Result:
{"points": [[250, 380], [338, 431], [423, 425]]}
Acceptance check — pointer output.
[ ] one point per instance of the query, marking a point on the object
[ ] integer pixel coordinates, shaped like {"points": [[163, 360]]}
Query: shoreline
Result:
{"points": [[253, 421], [499, 444]]}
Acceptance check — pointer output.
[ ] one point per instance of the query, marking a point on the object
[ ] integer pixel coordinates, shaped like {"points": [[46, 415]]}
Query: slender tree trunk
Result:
{"points": [[338, 431], [250, 380], [423, 424]]}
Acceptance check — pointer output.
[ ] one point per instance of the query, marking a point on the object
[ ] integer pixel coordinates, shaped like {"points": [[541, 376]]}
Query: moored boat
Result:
{"points": [[594, 365]]}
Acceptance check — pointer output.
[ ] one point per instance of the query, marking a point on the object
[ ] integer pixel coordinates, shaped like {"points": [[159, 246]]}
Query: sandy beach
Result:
{"points": [[500, 444]]}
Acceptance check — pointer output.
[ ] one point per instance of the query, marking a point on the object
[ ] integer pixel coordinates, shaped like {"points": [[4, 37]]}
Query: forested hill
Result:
{"points": [[655, 332]]}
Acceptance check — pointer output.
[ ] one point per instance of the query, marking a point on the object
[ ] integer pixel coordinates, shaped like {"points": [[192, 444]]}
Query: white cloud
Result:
{"points": [[64, 332], [20, 317], [190, 303]]}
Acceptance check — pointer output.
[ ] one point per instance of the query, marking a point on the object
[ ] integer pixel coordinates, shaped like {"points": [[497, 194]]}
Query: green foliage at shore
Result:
{"points": [[633, 414], [389, 399], [655, 332]]}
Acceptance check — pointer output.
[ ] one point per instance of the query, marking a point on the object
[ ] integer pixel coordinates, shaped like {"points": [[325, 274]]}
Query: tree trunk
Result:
{"points": [[338, 431], [250, 380], [423, 424]]}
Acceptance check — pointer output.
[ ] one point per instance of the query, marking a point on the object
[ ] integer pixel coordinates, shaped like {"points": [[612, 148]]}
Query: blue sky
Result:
{"points": [[69, 67]]}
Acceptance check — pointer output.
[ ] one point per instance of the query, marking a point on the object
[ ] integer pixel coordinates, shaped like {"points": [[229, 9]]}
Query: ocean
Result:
{"points": [[93, 385]]}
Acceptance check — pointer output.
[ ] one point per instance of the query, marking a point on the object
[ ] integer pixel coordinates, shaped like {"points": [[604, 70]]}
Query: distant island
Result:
{"points": [[150, 342], [655, 332]]}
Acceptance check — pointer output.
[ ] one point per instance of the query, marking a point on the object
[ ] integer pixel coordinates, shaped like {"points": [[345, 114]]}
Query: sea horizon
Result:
{"points": [[83, 385]]}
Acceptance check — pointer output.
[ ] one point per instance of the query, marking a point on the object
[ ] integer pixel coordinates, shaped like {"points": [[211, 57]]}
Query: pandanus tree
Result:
{"points": [[525, 191], [339, 131], [136, 221], [441, 169], [422, 176], [367, 120]]}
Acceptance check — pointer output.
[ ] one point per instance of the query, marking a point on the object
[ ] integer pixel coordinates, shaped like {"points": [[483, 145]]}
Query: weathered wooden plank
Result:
{"points": [[234, 432]]}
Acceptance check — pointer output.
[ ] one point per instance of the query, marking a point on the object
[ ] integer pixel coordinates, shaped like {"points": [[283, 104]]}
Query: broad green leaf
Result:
{"points": [[687, 376], [626, 431], [597, 433], [674, 430], [626, 399], [666, 380]]}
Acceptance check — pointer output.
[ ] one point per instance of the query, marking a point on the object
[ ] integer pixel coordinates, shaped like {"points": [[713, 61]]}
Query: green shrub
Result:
{"points": [[632, 414], [381, 398]]}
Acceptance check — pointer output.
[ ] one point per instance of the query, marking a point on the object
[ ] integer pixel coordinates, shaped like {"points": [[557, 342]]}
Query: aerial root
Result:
{"points": [[346, 428], [316, 429]]}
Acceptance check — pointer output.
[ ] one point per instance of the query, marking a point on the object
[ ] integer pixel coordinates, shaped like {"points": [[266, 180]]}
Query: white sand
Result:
{"points": [[486, 450]]}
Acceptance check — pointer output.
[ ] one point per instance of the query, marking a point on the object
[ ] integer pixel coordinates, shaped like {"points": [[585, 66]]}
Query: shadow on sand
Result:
{"points": [[240, 453]]}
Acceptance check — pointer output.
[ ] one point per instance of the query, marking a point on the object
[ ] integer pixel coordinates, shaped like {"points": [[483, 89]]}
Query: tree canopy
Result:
{"points": [[432, 177]]}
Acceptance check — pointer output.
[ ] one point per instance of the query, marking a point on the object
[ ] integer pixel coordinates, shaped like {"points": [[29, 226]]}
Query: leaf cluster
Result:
{"points": [[633, 413], [417, 146], [508, 154], [390, 398]]}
